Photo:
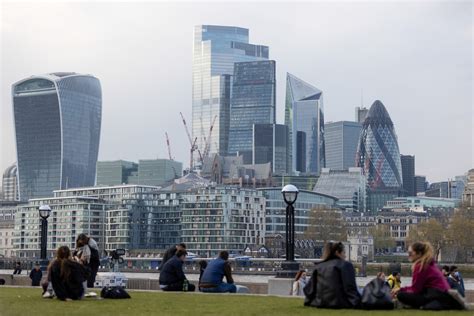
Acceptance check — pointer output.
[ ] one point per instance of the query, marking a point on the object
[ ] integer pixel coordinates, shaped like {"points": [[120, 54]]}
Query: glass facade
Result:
{"points": [[408, 174], [115, 172], [341, 140], [270, 144], [216, 49], [57, 125], [252, 102], [304, 113], [158, 171], [10, 184]]}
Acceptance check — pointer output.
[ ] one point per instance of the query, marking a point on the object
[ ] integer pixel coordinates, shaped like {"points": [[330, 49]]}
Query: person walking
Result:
{"points": [[333, 284], [67, 276], [170, 253], [430, 289], [36, 275], [212, 278], [299, 283], [172, 277]]}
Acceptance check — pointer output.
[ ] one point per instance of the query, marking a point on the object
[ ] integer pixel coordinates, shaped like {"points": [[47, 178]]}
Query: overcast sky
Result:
{"points": [[416, 57]]}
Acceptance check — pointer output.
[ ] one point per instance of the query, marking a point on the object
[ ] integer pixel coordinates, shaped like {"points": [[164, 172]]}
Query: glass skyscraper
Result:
{"points": [[304, 116], [408, 174], [216, 49], [253, 101], [270, 144], [341, 140], [57, 125]]}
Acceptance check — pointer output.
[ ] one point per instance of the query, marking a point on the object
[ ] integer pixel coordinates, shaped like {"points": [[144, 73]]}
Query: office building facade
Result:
{"points": [[360, 114], [341, 140], [270, 144], [57, 126], [468, 195], [304, 116], [420, 184], [10, 184], [215, 50], [115, 172], [408, 174], [253, 101]]}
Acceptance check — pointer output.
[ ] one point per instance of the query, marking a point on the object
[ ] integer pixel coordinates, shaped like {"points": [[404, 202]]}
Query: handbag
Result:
{"points": [[114, 292], [377, 295]]}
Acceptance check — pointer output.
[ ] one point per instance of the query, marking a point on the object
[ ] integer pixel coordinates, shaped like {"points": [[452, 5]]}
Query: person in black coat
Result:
{"points": [[171, 252], [67, 276], [172, 277], [333, 283], [36, 275]]}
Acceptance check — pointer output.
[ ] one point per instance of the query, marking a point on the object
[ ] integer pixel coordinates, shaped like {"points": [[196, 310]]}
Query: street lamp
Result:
{"points": [[44, 211], [290, 266]]}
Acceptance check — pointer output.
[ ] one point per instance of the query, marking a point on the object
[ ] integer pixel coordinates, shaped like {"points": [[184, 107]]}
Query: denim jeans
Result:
{"points": [[221, 288]]}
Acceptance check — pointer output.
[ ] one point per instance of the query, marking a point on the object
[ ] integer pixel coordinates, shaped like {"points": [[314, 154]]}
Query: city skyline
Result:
{"points": [[406, 76]]}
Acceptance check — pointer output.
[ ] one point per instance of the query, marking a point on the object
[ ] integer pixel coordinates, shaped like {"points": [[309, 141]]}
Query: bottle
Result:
{"points": [[185, 286]]}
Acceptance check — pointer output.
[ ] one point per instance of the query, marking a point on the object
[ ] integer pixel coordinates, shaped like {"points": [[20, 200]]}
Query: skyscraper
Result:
{"points": [[216, 49], [10, 184], [304, 113], [270, 144], [379, 157], [57, 125], [408, 174], [360, 114], [252, 102], [341, 139], [420, 184]]}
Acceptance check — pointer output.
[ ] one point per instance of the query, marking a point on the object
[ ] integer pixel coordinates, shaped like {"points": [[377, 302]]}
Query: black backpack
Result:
{"points": [[114, 292], [377, 295]]}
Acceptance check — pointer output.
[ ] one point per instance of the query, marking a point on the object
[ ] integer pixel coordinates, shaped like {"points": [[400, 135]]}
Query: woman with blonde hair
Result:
{"points": [[299, 283], [429, 289]]}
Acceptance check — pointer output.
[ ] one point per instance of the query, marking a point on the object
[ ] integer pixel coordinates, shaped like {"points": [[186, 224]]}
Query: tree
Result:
{"points": [[383, 240], [431, 231], [326, 225], [459, 233]]}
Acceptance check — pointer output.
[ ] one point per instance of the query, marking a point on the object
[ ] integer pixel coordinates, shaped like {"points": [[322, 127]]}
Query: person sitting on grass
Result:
{"points": [[170, 253], [333, 284], [172, 277], [211, 281], [430, 289], [67, 276], [394, 280]]}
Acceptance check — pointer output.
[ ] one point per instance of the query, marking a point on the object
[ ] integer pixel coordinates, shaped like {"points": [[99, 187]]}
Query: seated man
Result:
{"points": [[172, 277], [215, 271]]}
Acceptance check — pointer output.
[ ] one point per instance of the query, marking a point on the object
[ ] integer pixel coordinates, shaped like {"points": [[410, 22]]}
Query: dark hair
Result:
{"points": [[452, 268], [330, 250], [299, 274], [62, 256], [182, 244], [446, 268], [202, 264], [82, 240], [395, 273], [180, 253], [224, 255]]}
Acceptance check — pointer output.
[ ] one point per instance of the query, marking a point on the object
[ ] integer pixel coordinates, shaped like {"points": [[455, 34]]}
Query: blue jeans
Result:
{"points": [[221, 288]]}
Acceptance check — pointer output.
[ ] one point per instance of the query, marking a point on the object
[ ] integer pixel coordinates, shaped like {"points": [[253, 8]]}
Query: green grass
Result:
{"points": [[28, 301]]}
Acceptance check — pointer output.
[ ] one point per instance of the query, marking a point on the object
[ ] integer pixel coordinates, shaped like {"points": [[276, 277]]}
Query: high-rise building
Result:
{"points": [[341, 140], [457, 186], [252, 102], [304, 113], [158, 171], [468, 195], [57, 124], [10, 184], [361, 114], [270, 144], [379, 157], [408, 174], [115, 172], [420, 184], [216, 49], [348, 186]]}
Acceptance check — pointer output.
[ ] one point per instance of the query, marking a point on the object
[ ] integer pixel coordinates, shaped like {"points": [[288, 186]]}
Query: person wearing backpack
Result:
{"points": [[87, 253]]}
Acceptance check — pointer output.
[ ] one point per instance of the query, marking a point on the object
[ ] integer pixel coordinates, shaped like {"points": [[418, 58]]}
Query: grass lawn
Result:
{"points": [[28, 301]]}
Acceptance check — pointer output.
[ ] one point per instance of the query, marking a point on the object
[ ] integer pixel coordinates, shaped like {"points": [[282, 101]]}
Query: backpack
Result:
{"points": [[114, 292], [377, 295]]}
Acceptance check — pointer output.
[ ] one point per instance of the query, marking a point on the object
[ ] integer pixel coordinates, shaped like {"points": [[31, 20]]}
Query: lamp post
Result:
{"points": [[44, 211], [289, 266]]}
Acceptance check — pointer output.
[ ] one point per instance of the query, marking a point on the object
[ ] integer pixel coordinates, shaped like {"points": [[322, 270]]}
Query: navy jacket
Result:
{"points": [[172, 272], [215, 272], [35, 276]]}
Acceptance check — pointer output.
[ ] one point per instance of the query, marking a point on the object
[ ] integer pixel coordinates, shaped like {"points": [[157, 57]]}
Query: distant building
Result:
{"points": [[270, 144], [10, 184], [361, 114], [115, 172], [468, 195], [359, 223], [421, 203], [420, 184], [57, 126], [7, 228], [408, 174], [457, 186], [253, 101], [304, 116], [360, 247], [302, 182], [348, 186], [341, 140]]}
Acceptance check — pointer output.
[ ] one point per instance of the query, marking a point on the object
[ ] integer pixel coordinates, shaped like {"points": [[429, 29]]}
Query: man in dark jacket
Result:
{"points": [[211, 280], [36, 275], [17, 268], [172, 277], [171, 252]]}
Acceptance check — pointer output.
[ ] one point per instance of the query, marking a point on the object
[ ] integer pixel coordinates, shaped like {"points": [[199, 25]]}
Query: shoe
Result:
{"points": [[48, 294], [91, 294], [458, 298]]}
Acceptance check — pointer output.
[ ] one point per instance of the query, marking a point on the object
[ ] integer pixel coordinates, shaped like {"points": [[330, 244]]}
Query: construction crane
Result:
{"points": [[207, 146], [193, 144], [171, 157]]}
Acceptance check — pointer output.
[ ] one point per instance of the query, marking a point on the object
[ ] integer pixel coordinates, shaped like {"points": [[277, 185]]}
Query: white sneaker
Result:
{"points": [[48, 294], [91, 294]]}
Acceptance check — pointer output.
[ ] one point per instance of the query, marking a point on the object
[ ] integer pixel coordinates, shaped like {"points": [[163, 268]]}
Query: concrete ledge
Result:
{"points": [[280, 286]]}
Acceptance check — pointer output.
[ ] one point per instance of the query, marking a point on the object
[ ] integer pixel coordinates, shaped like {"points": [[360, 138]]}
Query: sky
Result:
{"points": [[416, 57]]}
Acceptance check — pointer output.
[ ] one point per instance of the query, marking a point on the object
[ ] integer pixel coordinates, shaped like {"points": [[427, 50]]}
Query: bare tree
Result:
{"points": [[326, 224]]}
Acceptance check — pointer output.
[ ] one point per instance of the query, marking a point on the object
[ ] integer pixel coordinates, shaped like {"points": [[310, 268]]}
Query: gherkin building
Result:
{"points": [[378, 154]]}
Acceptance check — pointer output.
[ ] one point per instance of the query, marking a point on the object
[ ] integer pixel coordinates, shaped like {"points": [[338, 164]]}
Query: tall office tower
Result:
{"points": [[420, 184], [304, 116], [57, 124], [252, 101], [115, 172], [10, 184], [341, 139], [408, 174], [216, 49], [379, 157], [361, 114], [270, 144]]}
